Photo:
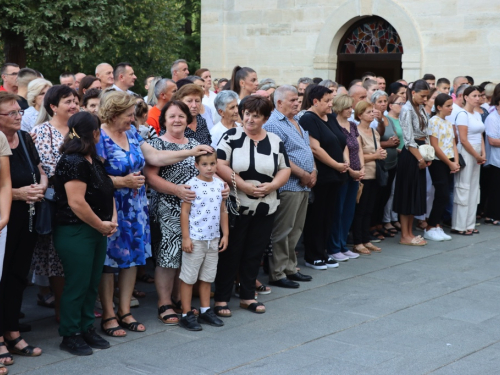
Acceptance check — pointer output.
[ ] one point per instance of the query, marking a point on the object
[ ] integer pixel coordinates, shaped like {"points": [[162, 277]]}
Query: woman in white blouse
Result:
{"points": [[471, 147]]}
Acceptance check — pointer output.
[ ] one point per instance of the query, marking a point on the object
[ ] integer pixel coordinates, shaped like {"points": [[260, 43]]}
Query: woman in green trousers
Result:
{"points": [[86, 216]]}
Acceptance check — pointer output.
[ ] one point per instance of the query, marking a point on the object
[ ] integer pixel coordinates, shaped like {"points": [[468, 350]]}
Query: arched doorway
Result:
{"points": [[371, 44]]}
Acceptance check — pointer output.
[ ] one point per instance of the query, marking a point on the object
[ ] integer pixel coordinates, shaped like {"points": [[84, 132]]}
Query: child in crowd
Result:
{"points": [[443, 86], [200, 241]]}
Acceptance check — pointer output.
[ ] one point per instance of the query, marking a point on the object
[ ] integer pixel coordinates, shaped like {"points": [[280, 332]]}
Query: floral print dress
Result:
{"points": [[131, 245], [45, 261]]}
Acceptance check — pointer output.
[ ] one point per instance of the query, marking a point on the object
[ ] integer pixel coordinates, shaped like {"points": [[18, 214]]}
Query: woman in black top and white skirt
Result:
{"points": [[410, 188]]}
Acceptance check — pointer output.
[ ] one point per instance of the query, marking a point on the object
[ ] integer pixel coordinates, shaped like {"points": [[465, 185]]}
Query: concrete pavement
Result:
{"points": [[407, 310]]}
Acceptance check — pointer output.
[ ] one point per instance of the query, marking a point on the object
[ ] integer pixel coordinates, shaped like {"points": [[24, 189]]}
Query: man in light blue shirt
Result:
{"points": [[294, 195]]}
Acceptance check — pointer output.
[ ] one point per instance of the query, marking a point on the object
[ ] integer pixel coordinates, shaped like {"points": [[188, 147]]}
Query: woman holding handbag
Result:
{"points": [[443, 167], [372, 152], [471, 147], [410, 192]]}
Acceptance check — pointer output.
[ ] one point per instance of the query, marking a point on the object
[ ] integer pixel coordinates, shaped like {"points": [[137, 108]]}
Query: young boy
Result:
{"points": [[200, 241], [443, 86]]}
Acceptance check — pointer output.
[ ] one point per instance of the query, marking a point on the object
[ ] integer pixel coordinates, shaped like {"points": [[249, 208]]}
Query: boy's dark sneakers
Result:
{"points": [[209, 317], [94, 340], [76, 345], [189, 322]]}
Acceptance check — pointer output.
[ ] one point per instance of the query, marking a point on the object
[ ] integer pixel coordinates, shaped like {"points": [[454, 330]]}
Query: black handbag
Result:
{"points": [[461, 161], [45, 209], [381, 173]]}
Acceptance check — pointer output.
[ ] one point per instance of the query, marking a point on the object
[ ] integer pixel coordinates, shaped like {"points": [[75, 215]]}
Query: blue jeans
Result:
{"points": [[343, 216]]}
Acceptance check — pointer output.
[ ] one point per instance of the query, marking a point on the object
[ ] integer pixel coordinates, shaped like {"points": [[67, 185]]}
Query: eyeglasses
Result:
{"points": [[10, 74], [401, 103], [13, 114]]}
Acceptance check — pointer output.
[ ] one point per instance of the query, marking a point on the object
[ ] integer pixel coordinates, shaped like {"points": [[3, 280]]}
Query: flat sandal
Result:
{"points": [[27, 351]]}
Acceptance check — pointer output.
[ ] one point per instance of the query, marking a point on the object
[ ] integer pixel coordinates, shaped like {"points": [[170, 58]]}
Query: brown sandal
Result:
{"points": [[372, 247], [361, 249]]}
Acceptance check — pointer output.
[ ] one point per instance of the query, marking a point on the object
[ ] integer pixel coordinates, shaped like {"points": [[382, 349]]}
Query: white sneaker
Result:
{"points": [[433, 235], [351, 255], [339, 257], [444, 235]]}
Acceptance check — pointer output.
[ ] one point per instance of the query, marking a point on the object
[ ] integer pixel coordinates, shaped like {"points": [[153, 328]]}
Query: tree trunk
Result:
{"points": [[13, 46]]}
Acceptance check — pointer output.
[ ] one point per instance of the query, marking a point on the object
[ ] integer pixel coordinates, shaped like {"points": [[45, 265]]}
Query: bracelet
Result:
{"points": [[315, 170], [419, 160]]}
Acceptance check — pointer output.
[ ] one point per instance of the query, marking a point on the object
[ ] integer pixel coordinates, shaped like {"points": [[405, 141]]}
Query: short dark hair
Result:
{"points": [[85, 83], [120, 69], [197, 158], [258, 104], [183, 82], [174, 103], [353, 82], [148, 77], [80, 137], [440, 81], [317, 80], [90, 94], [430, 77], [54, 96], [4, 67], [470, 80], [318, 92], [25, 76]]}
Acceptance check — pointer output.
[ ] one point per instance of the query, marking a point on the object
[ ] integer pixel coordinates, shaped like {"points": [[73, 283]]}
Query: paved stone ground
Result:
{"points": [[408, 310]]}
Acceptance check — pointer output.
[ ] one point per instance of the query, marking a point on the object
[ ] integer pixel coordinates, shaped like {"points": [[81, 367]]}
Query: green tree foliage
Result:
{"points": [[53, 36]]}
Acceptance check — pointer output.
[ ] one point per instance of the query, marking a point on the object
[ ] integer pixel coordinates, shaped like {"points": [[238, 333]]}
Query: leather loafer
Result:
{"points": [[285, 283], [299, 277]]}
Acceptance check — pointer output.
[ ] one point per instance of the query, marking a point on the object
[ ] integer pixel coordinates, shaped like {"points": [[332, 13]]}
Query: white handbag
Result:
{"points": [[427, 151]]}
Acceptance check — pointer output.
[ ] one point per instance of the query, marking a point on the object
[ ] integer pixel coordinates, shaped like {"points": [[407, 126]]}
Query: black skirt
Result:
{"points": [[410, 190]]}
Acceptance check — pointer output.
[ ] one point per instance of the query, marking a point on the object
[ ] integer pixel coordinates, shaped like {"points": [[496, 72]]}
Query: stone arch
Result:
{"points": [[337, 24]]}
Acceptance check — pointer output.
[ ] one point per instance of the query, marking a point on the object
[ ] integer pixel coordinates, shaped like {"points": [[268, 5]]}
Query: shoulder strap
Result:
{"points": [[21, 140], [457, 116], [374, 140]]}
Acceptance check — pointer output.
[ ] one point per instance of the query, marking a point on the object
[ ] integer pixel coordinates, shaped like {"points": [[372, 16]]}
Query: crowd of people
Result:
{"points": [[213, 178]]}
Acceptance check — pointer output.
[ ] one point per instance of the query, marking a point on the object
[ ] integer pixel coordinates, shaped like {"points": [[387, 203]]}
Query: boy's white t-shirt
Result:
{"points": [[204, 217]]}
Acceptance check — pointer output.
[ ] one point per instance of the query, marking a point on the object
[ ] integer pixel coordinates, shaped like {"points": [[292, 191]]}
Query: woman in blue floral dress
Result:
{"points": [[125, 154]]}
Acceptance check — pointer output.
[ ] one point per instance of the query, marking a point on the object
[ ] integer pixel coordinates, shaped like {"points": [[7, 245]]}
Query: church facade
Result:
{"points": [[341, 39]]}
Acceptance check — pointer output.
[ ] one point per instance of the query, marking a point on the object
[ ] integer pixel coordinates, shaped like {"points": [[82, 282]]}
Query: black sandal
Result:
{"points": [[164, 318], [6, 355], [461, 232], [252, 307], [27, 351], [133, 326], [218, 309], [377, 234], [475, 231], [178, 307], [386, 232], [112, 330], [392, 230]]}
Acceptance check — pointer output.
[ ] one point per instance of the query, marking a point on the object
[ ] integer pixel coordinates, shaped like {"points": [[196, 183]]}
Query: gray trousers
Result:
{"points": [[287, 229]]}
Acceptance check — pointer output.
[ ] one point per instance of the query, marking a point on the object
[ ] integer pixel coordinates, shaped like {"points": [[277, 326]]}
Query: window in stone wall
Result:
{"points": [[373, 35]]}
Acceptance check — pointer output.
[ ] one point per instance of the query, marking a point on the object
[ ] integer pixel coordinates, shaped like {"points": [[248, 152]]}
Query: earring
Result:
{"points": [[55, 113]]}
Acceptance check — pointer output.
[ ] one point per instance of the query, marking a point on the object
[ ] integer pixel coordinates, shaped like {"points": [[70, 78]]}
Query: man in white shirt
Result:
{"points": [[124, 77], [104, 72]]}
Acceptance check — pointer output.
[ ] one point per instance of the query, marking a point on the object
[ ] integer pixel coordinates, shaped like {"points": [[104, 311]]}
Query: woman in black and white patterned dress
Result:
{"points": [[168, 190], [260, 165]]}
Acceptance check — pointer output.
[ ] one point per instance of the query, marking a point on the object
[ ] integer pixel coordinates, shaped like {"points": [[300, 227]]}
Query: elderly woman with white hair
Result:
{"points": [[389, 141], [226, 104], [36, 92]]}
